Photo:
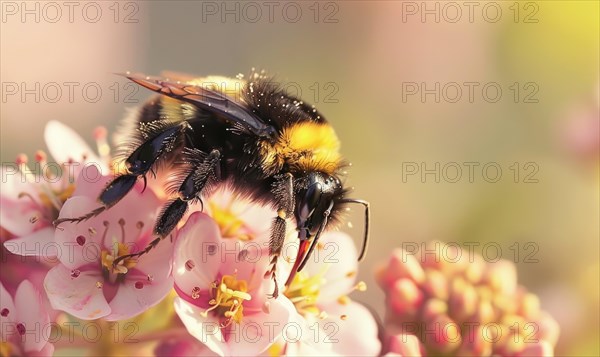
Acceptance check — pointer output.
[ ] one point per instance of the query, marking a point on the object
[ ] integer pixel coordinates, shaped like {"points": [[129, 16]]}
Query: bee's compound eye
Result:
{"points": [[313, 194], [311, 200]]}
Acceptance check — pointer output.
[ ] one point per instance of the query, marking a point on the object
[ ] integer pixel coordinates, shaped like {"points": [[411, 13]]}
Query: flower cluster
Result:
{"points": [[211, 269], [459, 304], [206, 289]]}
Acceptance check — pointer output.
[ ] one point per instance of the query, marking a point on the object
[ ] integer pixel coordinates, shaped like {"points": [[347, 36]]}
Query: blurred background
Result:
{"points": [[464, 121]]}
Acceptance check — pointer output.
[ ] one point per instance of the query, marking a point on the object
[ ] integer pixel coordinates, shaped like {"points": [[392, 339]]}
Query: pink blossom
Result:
{"points": [[223, 296], [86, 284], [25, 325], [320, 293], [30, 201], [230, 247]]}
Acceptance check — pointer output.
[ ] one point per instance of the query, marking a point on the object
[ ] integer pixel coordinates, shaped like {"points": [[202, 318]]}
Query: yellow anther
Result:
{"points": [[229, 297]]}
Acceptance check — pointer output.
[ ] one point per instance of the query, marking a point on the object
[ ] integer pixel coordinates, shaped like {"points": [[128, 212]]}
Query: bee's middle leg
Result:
{"points": [[190, 188], [283, 190]]}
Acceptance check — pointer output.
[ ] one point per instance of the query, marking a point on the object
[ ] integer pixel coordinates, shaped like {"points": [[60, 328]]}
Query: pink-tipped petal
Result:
{"points": [[136, 296], [16, 212], [15, 215], [81, 297], [65, 145], [39, 243], [158, 262], [198, 253], [79, 244]]}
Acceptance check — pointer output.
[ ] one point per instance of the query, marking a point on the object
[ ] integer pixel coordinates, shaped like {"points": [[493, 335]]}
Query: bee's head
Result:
{"points": [[315, 201], [319, 199]]}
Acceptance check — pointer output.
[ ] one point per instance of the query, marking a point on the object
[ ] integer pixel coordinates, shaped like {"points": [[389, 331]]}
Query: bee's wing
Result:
{"points": [[209, 100]]}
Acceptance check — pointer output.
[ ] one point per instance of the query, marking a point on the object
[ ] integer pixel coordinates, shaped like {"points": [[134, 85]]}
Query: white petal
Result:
{"points": [[70, 252], [39, 243], [342, 333], [258, 331], [79, 296], [252, 336], [65, 145], [204, 329], [337, 257], [197, 253], [131, 301]]}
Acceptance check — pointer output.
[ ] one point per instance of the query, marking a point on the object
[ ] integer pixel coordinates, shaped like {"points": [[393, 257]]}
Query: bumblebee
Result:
{"points": [[265, 144]]}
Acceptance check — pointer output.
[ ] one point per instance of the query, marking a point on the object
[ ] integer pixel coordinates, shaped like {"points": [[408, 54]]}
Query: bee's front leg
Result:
{"points": [[161, 139]]}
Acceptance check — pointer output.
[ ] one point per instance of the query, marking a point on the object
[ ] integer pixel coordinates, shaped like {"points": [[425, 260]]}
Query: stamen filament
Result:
{"points": [[228, 300]]}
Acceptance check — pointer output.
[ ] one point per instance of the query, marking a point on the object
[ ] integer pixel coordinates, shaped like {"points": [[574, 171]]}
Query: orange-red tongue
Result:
{"points": [[302, 249]]}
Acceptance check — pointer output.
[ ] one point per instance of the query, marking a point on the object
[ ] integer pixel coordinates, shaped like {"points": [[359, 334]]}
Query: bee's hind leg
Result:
{"points": [[283, 191]]}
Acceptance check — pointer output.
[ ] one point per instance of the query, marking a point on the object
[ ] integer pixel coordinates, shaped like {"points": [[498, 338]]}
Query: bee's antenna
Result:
{"points": [[363, 251]]}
